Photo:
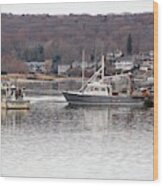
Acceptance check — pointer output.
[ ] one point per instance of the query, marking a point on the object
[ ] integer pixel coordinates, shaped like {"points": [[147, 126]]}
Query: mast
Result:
{"points": [[103, 68], [99, 72], [83, 67], [94, 53]]}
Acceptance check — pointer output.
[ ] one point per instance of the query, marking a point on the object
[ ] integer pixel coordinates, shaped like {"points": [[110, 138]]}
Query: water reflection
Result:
{"points": [[63, 117], [12, 117], [37, 87], [57, 140]]}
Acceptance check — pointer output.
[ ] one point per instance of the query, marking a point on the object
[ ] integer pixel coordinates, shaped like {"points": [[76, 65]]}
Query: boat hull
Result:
{"points": [[17, 105], [81, 99]]}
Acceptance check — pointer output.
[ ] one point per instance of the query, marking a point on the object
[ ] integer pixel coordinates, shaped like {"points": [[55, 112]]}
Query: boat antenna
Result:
{"points": [[83, 67]]}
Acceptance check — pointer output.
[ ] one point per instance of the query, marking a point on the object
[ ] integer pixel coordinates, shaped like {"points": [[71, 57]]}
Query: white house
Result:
{"points": [[35, 66], [85, 64], [125, 63], [146, 65], [118, 53], [62, 68], [114, 55]]}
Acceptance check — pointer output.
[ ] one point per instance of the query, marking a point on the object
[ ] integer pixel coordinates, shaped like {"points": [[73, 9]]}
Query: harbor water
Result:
{"points": [[53, 139]]}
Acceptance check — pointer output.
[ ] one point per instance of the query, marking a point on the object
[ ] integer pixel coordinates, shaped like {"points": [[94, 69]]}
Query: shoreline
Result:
{"points": [[25, 78]]}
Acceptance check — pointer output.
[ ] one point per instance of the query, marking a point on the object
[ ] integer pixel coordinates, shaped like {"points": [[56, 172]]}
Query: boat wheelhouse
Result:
{"points": [[13, 97]]}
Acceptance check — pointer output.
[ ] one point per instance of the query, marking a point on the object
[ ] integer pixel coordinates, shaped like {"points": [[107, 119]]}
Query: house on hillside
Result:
{"points": [[113, 56], [77, 64], [36, 67], [118, 53], [147, 56], [124, 63], [146, 65], [63, 68]]}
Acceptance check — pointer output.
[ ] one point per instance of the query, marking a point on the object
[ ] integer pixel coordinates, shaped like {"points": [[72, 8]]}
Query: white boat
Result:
{"points": [[13, 98], [97, 92], [17, 104]]}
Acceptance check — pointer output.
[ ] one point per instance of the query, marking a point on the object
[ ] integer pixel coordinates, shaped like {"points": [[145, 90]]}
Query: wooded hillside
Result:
{"points": [[39, 37]]}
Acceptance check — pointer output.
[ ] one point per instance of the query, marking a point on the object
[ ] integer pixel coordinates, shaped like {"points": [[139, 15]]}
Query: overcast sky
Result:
{"points": [[93, 8]]}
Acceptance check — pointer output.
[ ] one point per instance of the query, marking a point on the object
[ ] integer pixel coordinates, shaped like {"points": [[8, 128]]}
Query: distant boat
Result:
{"points": [[13, 98], [97, 92], [15, 104]]}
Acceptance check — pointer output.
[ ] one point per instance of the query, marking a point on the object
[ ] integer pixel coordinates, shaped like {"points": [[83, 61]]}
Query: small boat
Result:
{"points": [[15, 104], [13, 98], [97, 92]]}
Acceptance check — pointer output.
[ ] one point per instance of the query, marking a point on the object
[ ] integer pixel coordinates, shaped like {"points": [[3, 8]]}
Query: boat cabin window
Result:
{"points": [[89, 89], [115, 93], [103, 89], [3, 92]]}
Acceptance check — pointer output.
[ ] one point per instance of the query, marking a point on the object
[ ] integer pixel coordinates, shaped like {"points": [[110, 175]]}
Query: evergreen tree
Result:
{"points": [[55, 62], [40, 53], [129, 45]]}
